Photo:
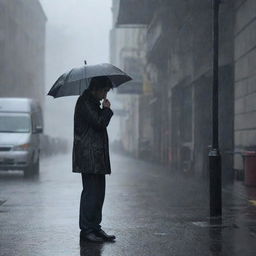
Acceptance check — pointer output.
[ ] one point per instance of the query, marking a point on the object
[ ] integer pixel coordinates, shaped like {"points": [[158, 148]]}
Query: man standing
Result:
{"points": [[91, 156]]}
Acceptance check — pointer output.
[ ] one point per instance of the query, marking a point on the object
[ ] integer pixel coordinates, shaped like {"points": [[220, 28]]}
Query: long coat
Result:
{"points": [[90, 146]]}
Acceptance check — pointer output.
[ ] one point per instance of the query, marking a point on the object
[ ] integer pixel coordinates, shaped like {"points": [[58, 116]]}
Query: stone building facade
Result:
{"points": [[179, 56], [22, 49], [127, 52], [245, 78]]}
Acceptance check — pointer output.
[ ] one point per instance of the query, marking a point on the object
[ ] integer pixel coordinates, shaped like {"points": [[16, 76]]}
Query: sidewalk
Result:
{"points": [[174, 213]]}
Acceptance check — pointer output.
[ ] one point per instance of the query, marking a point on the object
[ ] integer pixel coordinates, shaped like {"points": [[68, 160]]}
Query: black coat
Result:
{"points": [[90, 146]]}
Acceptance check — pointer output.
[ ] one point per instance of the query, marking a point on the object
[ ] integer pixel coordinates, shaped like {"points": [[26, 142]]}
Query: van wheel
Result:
{"points": [[28, 171]]}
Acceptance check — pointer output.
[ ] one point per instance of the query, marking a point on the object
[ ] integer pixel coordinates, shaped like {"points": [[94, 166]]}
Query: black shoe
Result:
{"points": [[101, 233], [91, 237]]}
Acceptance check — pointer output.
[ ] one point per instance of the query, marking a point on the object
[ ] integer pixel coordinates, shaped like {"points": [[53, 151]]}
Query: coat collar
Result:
{"points": [[88, 95]]}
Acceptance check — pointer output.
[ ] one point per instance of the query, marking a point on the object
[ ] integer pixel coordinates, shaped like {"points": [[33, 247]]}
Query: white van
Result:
{"points": [[20, 126]]}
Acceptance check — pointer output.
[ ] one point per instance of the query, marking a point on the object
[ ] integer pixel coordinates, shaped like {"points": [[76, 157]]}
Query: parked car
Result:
{"points": [[21, 123]]}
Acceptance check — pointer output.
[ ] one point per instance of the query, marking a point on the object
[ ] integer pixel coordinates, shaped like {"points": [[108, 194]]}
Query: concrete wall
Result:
{"points": [[22, 49], [245, 77], [182, 55], [125, 42], [179, 60]]}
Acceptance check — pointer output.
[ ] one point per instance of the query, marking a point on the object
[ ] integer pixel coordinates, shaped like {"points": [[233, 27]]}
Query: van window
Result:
{"points": [[15, 123]]}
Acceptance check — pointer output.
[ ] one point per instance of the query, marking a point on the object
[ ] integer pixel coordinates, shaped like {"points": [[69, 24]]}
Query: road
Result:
{"points": [[151, 211]]}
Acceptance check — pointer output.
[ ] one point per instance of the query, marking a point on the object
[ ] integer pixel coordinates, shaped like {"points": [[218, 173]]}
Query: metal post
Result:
{"points": [[214, 154]]}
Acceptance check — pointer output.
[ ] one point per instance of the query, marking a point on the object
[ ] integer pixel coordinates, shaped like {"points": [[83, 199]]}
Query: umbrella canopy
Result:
{"points": [[77, 80]]}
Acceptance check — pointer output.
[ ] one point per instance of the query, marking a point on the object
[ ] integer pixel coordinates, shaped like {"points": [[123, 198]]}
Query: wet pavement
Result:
{"points": [[151, 211]]}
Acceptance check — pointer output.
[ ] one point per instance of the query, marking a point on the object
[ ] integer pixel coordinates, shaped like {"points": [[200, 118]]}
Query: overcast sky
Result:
{"points": [[77, 30]]}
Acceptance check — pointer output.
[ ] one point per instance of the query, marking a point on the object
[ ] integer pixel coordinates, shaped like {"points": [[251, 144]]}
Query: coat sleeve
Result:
{"points": [[99, 121]]}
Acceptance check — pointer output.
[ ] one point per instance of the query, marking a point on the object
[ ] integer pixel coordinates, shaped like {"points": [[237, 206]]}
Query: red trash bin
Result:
{"points": [[250, 168]]}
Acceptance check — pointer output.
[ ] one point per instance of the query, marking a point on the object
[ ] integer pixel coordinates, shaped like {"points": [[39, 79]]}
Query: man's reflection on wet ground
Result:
{"points": [[89, 249]]}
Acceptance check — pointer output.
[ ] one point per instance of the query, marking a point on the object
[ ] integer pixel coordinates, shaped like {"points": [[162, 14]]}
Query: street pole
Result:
{"points": [[214, 154]]}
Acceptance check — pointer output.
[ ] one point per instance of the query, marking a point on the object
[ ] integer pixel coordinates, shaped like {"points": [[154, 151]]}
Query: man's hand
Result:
{"points": [[106, 103]]}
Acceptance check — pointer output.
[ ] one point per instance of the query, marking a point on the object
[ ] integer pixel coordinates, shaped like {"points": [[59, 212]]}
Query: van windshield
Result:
{"points": [[15, 123]]}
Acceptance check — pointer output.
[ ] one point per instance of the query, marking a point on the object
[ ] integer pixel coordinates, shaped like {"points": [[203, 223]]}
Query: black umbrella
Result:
{"points": [[77, 80]]}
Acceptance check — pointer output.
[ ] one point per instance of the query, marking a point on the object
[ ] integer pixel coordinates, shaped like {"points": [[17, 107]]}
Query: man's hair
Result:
{"points": [[100, 82]]}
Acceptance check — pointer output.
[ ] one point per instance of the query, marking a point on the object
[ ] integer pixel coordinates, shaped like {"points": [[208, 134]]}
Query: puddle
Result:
{"points": [[2, 201]]}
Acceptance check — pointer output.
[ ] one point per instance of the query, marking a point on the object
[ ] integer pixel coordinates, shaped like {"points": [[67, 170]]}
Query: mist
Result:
{"points": [[179, 138], [76, 30]]}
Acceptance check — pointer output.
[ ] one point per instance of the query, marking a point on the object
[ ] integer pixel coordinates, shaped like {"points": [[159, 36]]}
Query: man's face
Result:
{"points": [[102, 93]]}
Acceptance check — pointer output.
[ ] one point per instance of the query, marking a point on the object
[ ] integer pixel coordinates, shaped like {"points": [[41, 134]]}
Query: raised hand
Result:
{"points": [[106, 103]]}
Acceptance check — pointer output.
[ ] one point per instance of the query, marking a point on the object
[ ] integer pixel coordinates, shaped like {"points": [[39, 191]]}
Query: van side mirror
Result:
{"points": [[38, 129]]}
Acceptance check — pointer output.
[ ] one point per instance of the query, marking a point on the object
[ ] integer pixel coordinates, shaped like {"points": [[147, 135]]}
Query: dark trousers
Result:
{"points": [[92, 199]]}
